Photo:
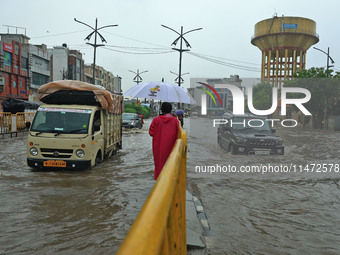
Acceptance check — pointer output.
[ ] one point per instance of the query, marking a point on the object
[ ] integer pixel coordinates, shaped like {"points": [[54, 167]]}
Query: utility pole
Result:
{"points": [[137, 79], [177, 79], [94, 45], [326, 93], [181, 50]]}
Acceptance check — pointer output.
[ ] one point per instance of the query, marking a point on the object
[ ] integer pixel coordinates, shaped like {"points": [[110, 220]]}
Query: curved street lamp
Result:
{"points": [[94, 45], [180, 50], [178, 78], [326, 94], [137, 78]]}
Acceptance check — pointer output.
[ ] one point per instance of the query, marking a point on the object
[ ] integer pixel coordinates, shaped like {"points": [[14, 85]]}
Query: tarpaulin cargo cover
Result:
{"points": [[78, 92]]}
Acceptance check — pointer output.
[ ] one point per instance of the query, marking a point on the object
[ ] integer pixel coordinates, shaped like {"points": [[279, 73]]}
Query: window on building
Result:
{"points": [[71, 74], [39, 79], [2, 83], [24, 63], [78, 69], [7, 58]]}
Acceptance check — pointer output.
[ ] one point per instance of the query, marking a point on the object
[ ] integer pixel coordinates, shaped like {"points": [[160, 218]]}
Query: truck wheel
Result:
{"points": [[98, 159], [233, 149], [220, 142]]}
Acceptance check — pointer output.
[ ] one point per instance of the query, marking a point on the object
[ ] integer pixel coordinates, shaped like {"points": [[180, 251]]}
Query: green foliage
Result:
{"points": [[262, 96], [322, 89], [134, 108], [130, 110], [316, 72]]}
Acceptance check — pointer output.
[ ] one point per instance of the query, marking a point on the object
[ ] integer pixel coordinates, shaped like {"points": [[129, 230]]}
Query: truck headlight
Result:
{"points": [[279, 142], [80, 153], [34, 151], [240, 140]]}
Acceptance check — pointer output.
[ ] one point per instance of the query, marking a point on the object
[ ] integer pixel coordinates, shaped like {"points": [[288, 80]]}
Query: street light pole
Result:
{"points": [[181, 50], [177, 79], [326, 93], [95, 45], [137, 78]]}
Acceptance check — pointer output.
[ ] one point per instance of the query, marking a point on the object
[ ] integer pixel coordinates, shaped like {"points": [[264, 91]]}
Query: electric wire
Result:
{"points": [[160, 50], [139, 53], [217, 61], [68, 33], [136, 40], [233, 60]]}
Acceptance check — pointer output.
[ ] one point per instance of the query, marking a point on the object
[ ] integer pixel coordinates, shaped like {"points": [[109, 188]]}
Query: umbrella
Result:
{"points": [[179, 112], [161, 91]]}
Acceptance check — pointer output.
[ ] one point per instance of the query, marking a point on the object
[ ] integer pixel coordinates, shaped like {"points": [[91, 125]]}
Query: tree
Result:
{"points": [[134, 108], [262, 96], [321, 89]]}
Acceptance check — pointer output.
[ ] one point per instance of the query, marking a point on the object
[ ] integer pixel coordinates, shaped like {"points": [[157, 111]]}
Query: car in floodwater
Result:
{"points": [[132, 120], [248, 134]]}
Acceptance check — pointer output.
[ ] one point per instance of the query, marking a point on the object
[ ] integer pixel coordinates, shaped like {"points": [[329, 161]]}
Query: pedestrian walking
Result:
{"points": [[181, 120], [164, 132]]}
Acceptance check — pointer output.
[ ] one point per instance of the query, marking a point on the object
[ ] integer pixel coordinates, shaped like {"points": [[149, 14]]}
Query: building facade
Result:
{"points": [[14, 67], [66, 64], [76, 66], [103, 78], [25, 67], [213, 105], [39, 69]]}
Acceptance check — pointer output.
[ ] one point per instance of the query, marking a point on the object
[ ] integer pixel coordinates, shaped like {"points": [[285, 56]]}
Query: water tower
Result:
{"points": [[284, 42]]}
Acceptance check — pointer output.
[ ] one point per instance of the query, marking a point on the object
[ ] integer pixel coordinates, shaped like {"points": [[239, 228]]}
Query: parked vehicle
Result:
{"points": [[74, 135], [248, 134], [132, 120]]}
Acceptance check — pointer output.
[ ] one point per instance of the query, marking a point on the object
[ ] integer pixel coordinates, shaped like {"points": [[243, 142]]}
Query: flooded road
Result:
{"points": [[269, 213], [90, 212], [72, 212]]}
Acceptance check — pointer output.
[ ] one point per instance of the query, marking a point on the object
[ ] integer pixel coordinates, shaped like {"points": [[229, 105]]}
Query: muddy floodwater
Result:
{"points": [[72, 212], [91, 211]]}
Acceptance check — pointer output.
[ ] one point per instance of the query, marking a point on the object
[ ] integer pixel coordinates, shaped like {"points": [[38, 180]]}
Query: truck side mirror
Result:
{"points": [[28, 124]]}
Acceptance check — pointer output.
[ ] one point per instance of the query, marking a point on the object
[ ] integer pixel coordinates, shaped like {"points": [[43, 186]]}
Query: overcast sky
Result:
{"points": [[227, 30]]}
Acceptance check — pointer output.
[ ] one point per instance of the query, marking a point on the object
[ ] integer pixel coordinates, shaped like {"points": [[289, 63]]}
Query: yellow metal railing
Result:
{"points": [[12, 123], [23, 117], [160, 227], [5, 122]]}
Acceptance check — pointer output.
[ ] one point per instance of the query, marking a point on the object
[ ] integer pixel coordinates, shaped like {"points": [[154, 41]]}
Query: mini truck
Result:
{"points": [[74, 136]]}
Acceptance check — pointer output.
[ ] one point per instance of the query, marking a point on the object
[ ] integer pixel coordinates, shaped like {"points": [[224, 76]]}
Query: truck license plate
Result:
{"points": [[262, 152], [54, 163]]}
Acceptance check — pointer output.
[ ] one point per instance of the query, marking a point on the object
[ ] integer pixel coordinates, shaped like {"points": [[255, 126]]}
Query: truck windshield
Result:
{"points": [[60, 120], [249, 124]]}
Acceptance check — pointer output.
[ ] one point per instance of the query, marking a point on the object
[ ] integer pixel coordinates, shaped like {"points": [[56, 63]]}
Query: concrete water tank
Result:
{"points": [[284, 42]]}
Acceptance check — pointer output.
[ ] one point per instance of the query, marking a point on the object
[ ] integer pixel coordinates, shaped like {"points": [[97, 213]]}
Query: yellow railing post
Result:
{"points": [[12, 123], [160, 227], [5, 122], [20, 120]]}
